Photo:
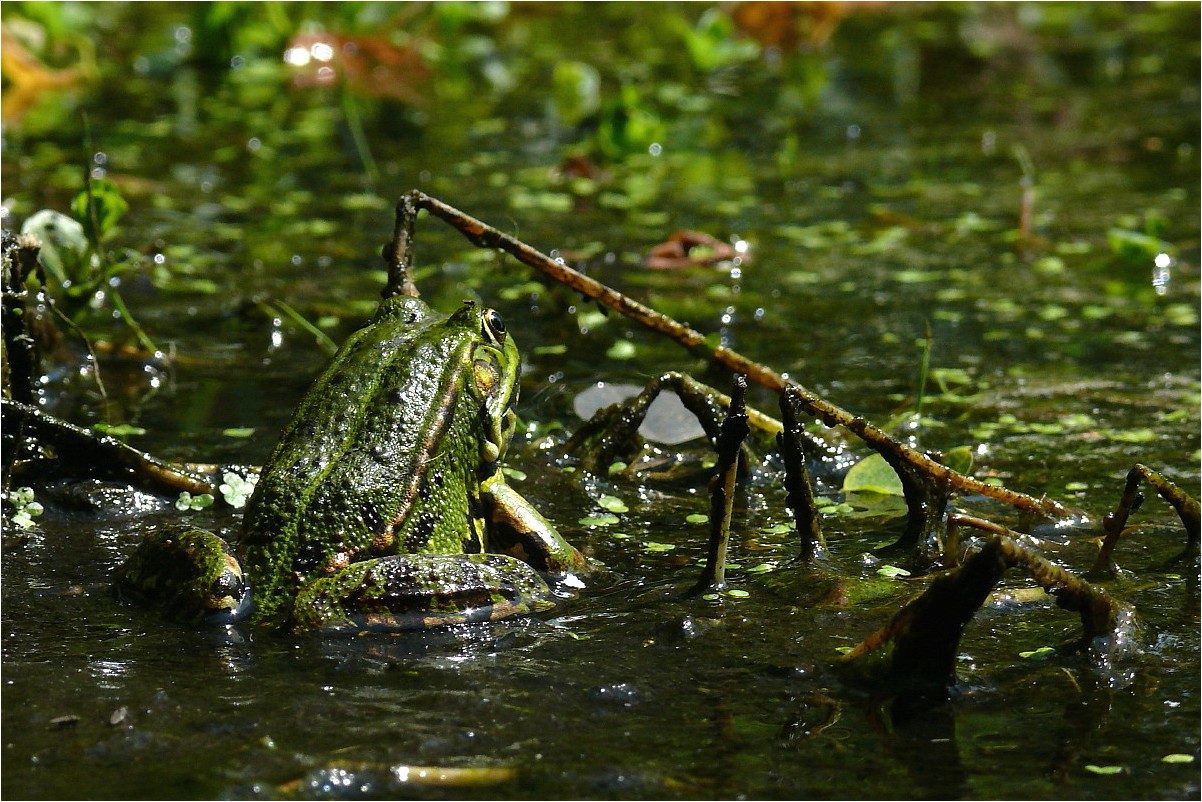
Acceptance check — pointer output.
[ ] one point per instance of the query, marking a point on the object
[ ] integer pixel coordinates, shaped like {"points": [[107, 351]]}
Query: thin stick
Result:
{"points": [[485, 236], [734, 431]]}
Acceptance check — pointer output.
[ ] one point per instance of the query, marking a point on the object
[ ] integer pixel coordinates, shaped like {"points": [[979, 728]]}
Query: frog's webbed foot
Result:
{"points": [[611, 435], [419, 591], [189, 575]]}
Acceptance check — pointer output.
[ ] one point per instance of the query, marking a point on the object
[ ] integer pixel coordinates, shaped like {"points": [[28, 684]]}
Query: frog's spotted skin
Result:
{"points": [[419, 591], [382, 498]]}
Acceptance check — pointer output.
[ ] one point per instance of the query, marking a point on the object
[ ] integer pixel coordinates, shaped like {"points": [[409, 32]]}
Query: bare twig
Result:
{"points": [[485, 236], [730, 441]]}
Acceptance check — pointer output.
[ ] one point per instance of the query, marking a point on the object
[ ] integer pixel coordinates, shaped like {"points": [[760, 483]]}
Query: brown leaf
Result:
{"points": [[787, 25], [688, 249], [371, 65]]}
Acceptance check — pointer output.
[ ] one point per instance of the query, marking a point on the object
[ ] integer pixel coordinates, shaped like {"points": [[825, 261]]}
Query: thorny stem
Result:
{"points": [[485, 236]]}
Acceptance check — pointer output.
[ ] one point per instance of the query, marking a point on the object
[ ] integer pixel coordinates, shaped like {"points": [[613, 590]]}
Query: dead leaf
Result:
{"points": [[371, 65], [688, 249]]}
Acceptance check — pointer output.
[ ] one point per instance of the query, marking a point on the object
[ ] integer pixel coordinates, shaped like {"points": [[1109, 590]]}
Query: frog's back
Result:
{"points": [[355, 454]]}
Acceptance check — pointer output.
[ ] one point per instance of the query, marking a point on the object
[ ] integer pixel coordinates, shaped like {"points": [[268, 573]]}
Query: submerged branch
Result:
{"points": [[96, 454], [926, 632]]}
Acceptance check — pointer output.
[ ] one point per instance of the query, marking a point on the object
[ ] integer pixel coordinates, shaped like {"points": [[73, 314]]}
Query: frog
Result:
{"points": [[383, 505]]}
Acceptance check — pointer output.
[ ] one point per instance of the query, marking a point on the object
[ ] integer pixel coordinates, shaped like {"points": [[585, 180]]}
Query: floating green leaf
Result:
{"points": [[1177, 758], [1131, 435], [872, 474], [892, 571], [613, 504], [621, 349], [26, 508], [652, 546], [599, 520], [1134, 247], [187, 501], [576, 90], [1042, 653], [236, 489], [118, 429], [696, 518], [1090, 767]]}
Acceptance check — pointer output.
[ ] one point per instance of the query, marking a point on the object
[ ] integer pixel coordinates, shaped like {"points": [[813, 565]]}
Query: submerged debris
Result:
{"points": [[926, 632]]}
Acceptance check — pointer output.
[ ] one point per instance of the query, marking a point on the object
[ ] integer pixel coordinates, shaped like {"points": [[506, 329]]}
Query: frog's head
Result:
{"points": [[491, 376]]}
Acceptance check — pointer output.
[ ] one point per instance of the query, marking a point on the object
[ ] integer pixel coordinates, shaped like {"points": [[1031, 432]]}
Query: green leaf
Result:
{"points": [[959, 459], [187, 501], [874, 475], [1134, 247], [1103, 769], [599, 520], [622, 349], [1177, 758], [696, 518], [118, 429], [1042, 653], [737, 593], [892, 571], [613, 504], [236, 490], [239, 432], [1131, 435], [652, 546], [106, 208], [576, 90]]}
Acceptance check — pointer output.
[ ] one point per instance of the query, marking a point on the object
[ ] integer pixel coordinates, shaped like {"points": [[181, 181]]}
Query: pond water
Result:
{"points": [[1016, 186]]}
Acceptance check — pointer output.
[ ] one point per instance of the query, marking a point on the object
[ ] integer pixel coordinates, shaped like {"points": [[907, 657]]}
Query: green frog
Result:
{"points": [[383, 505]]}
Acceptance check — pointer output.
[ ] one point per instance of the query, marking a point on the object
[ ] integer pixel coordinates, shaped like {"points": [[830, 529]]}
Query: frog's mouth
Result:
{"points": [[497, 432]]}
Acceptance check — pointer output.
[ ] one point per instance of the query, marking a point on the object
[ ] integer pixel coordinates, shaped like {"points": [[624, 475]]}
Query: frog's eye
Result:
{"points": [[494, 325]]}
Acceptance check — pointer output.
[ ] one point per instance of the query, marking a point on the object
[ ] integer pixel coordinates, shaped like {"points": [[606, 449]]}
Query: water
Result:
{"points": [[879, 180]]}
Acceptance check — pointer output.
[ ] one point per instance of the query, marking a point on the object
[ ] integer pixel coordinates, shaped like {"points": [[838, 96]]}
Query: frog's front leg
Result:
{"points": [[516, 528], [419, 591]]}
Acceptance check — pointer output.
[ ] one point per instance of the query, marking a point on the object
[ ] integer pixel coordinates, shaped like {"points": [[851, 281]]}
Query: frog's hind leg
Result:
{"points": [[188, 575], [420, 591]]}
